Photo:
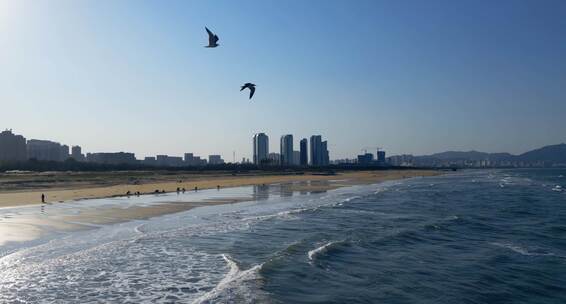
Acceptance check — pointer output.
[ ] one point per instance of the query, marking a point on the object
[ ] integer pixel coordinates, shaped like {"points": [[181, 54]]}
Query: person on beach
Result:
{"points": [[178, 190], [218, 187], [184, 190], [196, 188], [43, 198]]}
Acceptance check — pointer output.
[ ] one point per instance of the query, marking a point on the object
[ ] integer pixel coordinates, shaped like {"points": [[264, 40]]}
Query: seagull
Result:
{"points": [[250, 86], [212, 39]]}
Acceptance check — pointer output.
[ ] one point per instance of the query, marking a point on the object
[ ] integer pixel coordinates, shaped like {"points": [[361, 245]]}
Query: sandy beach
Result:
{"points": [[92, 190], [26, 189]]}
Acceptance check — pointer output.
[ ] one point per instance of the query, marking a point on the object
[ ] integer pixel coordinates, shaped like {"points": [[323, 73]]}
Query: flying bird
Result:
{"points": [[212, 39], [250, 86]]}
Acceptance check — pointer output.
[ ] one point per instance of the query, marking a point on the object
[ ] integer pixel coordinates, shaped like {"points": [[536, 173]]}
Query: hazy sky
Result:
{"points": [[409, 76]]}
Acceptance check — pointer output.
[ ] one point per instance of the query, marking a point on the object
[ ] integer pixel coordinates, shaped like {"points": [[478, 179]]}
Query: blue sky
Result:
{"points": [[409, 76]]}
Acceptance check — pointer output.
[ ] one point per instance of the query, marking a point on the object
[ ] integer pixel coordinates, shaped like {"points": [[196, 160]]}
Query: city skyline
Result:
{"points": [[313, 152], [17, 148], [118, 76]]}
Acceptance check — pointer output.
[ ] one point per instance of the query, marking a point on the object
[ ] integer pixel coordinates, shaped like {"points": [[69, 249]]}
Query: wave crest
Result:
{"points": [[313, 254], [525, 251], [236, 286]]}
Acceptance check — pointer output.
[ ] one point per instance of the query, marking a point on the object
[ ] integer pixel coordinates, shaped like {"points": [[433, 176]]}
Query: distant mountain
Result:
{"points": [[502, 157], [551, 154], [470, 155], [554, 153], [454, 155]]}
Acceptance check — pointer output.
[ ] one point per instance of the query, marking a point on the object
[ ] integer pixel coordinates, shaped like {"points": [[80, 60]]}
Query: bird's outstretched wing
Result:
{"points": [[212, 38], [252, 91]]}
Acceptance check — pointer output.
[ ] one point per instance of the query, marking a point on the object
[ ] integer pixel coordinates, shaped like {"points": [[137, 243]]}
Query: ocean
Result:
{"points": [[477, 236]]}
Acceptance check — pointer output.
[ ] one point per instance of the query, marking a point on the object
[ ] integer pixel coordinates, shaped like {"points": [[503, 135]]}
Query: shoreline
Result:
{"points": [[85, 191], [18, 227]]}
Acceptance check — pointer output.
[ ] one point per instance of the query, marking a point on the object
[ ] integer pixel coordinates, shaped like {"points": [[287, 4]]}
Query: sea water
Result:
{"points": [[490, 236]]}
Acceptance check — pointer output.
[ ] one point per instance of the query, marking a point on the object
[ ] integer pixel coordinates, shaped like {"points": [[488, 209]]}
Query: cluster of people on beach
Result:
{"points": [[157, 191], [138, 193]]}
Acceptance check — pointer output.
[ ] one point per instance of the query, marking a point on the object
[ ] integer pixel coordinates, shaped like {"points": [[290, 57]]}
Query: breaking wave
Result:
{"points": [[238, 286], [313, 254]]}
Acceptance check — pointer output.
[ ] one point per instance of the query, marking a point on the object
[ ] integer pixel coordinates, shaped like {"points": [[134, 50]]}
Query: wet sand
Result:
{"points": [[30, 226], [26, 192], [25, 218]]}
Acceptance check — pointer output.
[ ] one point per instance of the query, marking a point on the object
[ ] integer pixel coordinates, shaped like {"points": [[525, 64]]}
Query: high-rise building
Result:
{"points": [[365, 159], [169, 161], [296, 158], [260, 148], [76, 153], [115, 158], [12, 147], [190, 159], [286, 149], [150, 161], [64, 152], [304, 156], [46, 150], [319, 151], [325, 157], [315, 150], [274, 158], [215, 160], [161, 160], [198, 161], [405, 160], [381, 157]]}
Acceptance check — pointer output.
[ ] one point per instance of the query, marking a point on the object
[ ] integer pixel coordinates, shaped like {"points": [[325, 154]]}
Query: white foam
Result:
{"points": [[138, 230], [232, 285], [452, 218], [340, 203], [288, 214], [282, 214], [522, 250], [294, 211], [379, 190], [149, 257], [350, 199], [320, 250], [232, 273]]}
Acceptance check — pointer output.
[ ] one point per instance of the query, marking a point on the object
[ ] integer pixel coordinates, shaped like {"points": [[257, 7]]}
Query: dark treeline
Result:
{"points": [[72, 165]]}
